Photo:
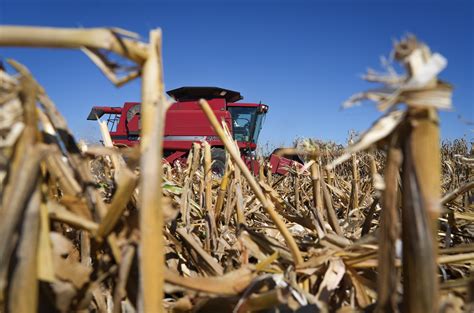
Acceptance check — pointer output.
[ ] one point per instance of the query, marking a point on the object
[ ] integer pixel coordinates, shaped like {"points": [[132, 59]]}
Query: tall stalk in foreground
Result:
{"points": [[416, 131], [152, 262], [421, 190]]}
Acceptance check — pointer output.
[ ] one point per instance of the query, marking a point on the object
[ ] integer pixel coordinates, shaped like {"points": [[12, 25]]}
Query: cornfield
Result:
{"points": [[383, 225]]}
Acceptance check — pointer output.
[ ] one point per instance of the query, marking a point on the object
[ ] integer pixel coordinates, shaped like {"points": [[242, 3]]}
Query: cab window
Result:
{"points": [[242, 121]]}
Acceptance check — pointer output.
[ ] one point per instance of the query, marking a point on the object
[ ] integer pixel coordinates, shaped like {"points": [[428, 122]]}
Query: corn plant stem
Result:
{"points": [[355, 183], [296, 188], [23, 172], [151, 258], [331, 213], [24, 274], [212, 234], [119, 202], [45, 265], [266, 204], [221, 194], [389, 221], [457, 192], [373, 169], [238, 193], [317, 200], [421, 201], [208, 178], [316, 179]]}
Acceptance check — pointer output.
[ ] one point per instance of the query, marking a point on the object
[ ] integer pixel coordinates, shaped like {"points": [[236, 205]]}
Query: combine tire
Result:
{"points": [[218, 161]]}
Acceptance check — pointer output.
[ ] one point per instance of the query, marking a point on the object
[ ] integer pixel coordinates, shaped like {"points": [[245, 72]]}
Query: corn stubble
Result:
{"points": [[98, 229]]}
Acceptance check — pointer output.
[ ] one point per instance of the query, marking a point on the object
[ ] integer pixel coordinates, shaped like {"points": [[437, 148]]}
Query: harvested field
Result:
{"points": [[384, 225]]}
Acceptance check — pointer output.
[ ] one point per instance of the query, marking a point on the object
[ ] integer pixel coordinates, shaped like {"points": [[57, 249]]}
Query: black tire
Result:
{"points": [[218, 161]]}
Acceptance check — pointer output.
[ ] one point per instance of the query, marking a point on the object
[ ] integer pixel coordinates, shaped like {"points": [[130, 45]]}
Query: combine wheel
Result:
{"points": [[218, 161]]}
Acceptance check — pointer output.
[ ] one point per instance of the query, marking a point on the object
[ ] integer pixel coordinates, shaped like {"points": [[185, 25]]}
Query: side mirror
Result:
{"points": [[262, 109]]}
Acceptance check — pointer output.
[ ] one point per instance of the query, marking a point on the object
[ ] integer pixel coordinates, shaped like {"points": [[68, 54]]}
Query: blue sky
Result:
{"points": [[302, 58]]}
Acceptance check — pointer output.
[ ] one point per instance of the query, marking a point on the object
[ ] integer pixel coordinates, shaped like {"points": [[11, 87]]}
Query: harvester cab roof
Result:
{"points": [[208, 93]]}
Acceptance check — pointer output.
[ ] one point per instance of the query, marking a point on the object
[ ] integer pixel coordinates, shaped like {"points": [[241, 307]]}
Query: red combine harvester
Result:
{"points": [[186, 123]]}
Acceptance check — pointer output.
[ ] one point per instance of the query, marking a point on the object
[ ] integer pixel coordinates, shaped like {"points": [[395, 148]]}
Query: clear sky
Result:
{"points": [[302, 58]]}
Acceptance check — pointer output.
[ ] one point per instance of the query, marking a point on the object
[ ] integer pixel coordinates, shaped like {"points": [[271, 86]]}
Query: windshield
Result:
{"points": [[258, 126], [246, 123]]}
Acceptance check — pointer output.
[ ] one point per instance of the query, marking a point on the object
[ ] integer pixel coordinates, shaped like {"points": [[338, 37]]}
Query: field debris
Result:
{"points": [[385, 225]]}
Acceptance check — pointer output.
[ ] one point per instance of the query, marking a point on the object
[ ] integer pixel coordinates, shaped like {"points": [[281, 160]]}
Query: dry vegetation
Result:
{"points": [[384, 225]]}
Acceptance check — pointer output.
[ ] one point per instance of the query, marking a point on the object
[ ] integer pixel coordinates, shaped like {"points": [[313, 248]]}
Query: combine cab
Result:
{"points": [[186, 123]]}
